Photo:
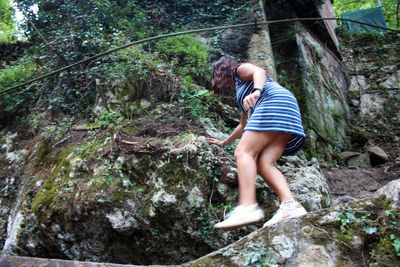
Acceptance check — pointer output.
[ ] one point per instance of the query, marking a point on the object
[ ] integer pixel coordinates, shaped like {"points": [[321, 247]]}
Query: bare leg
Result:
{"points": [[265, 167], [251, 144], [255, 150]]}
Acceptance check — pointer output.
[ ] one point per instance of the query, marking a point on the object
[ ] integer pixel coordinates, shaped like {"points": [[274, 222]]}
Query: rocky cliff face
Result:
{"points": [[309, 64], [142, 193], [249, 44], [324, 95], [374, 81]]}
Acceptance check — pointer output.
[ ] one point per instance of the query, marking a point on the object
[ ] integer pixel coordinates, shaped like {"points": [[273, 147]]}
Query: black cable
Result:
{"points": [[182, 33]]}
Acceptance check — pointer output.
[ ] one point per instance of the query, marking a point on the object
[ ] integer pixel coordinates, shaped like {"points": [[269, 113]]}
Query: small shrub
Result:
{"points": [[16, 72], [194, 98], [109, 118], [187, 55], [379, 227]]}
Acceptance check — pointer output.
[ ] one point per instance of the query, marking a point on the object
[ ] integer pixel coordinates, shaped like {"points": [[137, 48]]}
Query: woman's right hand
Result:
{"points": [[215, 141], [251, 99]]}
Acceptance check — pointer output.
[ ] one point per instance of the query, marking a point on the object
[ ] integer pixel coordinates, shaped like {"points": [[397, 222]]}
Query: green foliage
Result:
{"points": [[136, 74], [16, 72], [259, 258], [109, 118], [7, 24], [187, 55], [84, 28], [255, 256], [203, 217], [6, 11], [396, 244], [171, 15], [388, 7], [79, 29], [122, 17], [60, 129], [380, 230], [154, 232], [345, 219], [194, 98]]}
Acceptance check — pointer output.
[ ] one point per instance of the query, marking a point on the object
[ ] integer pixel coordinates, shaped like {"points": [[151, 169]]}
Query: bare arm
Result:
{"points": [[236, 134], [247, 72]]}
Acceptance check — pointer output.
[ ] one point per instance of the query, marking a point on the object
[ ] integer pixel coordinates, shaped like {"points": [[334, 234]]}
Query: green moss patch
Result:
{"points": [[378, 224], [60, 185], [52, 185]]}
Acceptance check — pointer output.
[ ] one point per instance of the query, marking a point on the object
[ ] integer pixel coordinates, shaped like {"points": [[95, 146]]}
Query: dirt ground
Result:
{"points": [[348, 183]]}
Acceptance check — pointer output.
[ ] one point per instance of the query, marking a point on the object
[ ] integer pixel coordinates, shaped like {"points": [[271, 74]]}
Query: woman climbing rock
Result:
{"points": [[273, 129]]}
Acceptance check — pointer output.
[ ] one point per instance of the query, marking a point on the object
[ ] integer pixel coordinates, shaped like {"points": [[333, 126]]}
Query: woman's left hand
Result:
{"points": [[251, 99], [215, 141]]}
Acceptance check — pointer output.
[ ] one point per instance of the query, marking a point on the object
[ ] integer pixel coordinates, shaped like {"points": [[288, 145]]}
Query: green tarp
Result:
{"points": [[371, 15]]}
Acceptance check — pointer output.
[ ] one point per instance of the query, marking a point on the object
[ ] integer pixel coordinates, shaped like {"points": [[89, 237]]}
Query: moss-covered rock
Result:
{"points": [[140, 184], [153, 197], [347, 235]]}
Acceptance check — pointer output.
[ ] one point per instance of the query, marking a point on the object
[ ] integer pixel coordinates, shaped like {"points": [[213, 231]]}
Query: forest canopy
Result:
{"points": [[65, 32], [8, 30]]}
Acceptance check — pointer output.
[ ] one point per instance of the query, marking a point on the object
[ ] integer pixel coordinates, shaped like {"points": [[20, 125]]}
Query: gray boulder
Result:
{"points": [[391, 191], [331, 237], [376, 154], [359, 161], [349, 154]]}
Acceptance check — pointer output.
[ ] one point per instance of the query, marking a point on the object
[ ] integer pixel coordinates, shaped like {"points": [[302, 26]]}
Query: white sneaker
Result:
{"points": [[287, 211], [241, 216]]}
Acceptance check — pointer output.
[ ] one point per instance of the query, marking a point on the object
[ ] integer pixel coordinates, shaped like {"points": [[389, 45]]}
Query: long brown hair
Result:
{"points": [[222, 82]]}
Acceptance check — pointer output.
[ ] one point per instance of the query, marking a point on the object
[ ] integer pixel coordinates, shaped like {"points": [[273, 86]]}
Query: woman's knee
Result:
{"points": [[238, 152], [241, 152], [264, 162]]}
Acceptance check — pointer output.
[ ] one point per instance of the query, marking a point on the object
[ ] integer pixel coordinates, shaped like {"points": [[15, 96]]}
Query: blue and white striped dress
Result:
{"points": [[276, 110]]}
